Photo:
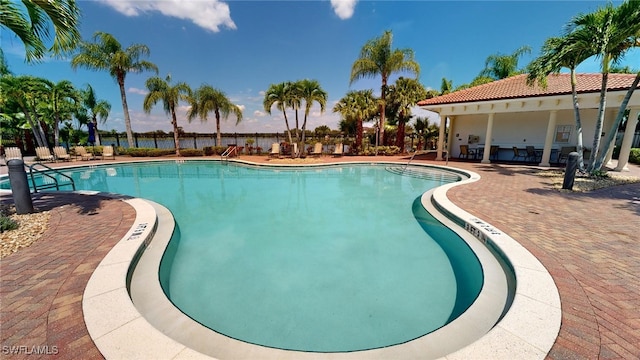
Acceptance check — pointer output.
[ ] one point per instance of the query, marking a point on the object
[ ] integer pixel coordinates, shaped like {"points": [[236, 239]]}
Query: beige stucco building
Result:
{"points": [[509, 113]]}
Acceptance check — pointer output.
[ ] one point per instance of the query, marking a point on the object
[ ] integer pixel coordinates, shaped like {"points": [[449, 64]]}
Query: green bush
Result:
{"points": [[148, 152], [634, 156], [7, 223], [209, 150], [191, 152]]}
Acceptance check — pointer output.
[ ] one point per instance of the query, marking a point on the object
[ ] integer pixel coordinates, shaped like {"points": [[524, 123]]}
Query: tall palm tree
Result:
{"points": [[26, 91], [403, 95], [310, 91], [32, 20], [280, 95], [60, 100], [378, 58], [161, 90], [610, 35], [357, 106], [4, 68], [96, 109], [498, 66], [106, 53], [207, 99], [559, 53]]}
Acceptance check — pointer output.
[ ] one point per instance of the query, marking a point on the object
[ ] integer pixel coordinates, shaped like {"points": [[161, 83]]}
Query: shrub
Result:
{"points": [[149, 152], [191, 152], [7, 223], [634, 156]]}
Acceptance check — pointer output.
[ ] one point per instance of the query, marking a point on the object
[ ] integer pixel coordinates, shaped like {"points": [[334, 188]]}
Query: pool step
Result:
{"points": [[423, 173]]}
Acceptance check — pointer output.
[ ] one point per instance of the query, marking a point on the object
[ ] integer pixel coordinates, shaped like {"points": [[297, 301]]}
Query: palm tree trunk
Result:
{"points": [[218, 135], [576, 112], [95, 130], [383, 97], [297, 131], [56, 130], [125, 109], [616, 124], [600, 120], [174, 123], [286, 122], [34, 128], [359, 135]]}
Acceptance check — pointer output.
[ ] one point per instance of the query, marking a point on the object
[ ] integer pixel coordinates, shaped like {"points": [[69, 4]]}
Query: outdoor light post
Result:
{"points": [[19, 187]]}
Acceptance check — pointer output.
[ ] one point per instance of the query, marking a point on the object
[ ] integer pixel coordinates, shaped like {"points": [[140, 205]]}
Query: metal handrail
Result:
{"points": [[227, 152], [46, 174]]}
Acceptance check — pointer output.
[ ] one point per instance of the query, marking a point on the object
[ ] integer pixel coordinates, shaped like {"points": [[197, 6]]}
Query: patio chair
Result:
{"points": [[517, 154], [563, 155], [493, 152], [107, 151], [317, 149], [44, 154], [465, 152], [61, 154], [12, 153], [532, 154], [275, 150], [82, 152], [339, 150]]}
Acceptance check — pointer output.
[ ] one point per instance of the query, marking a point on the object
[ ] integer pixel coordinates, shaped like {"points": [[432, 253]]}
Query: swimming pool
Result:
{"points": [[325, 201]]}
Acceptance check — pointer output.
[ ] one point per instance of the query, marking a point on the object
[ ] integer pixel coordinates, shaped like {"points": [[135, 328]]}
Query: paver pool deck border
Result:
{"points": [[593, 257]]}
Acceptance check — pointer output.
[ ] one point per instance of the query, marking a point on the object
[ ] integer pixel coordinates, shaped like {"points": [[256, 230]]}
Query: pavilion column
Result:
{"points": [[487, 141], [548, 140], [443, 125], [625, 148]]}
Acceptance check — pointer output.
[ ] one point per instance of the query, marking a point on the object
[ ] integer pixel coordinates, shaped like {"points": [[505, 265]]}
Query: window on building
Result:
{"points": [[563, 133]]}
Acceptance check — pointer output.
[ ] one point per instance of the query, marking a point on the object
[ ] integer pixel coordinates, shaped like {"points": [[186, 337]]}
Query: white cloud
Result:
{"points": [[344, 8], [259, 113], [208, 15], [137, 91], [242, 107]]}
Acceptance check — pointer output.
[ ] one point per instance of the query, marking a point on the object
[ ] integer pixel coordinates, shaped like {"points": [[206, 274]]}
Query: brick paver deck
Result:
{"points": [[589, 242]]}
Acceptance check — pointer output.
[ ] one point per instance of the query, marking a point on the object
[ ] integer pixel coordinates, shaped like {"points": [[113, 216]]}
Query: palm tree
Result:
{"points": [[500, 66], [161, 90], [357, 106], [60, 99], [106, 53], [280, 95], [558, 53], [310, 91], [4, 68], [610, 32], [378, 58], [403, 95], [207, 99], [31, 23], [26, 91], [97, 109]]}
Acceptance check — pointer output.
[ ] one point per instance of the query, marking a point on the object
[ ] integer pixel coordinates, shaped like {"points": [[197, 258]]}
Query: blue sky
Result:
{"points": [[241, 47]]}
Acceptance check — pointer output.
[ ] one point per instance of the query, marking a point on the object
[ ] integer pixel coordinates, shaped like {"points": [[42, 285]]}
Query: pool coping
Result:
{"points": [[528, 330]]}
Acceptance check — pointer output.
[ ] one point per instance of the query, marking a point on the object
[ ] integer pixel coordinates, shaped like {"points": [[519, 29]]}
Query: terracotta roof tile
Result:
{"points": [[516, 87]]}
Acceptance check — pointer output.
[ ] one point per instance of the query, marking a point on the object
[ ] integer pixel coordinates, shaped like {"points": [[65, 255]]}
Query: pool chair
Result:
{"points": [[518, 154], [275, 150], [532, 154], [44, 154], [339, 150], [61, 154], [12, 153], [107, 152], [563, 155], [82, 152], [493, 152], [465, 152], [317, 149]]}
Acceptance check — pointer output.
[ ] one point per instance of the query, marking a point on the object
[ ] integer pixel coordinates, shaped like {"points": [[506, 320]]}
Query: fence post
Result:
{"points": [[195, 141], [155, 140], [135, 139], [117, 139]]}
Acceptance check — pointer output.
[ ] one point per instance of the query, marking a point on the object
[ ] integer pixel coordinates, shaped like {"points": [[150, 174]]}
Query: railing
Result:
{"points": [[231, 149], [48, 181]]}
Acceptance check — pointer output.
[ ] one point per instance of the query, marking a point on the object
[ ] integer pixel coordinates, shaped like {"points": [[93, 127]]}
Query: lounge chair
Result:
{"points": [[317, 149], [493, 152], [517, 154], [465, 152], [339, 150], [107, 151], [61, 153], [275, 150], [82, 152], [44, 154], [12, 153]]}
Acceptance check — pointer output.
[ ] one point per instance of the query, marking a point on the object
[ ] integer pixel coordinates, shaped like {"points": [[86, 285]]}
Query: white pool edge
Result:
{"points": [[528, 330]]}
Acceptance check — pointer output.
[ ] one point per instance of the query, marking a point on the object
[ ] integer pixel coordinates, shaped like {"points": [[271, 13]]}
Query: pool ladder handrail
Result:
{"points": [[424, 152], [227, 153], [45, 174]]}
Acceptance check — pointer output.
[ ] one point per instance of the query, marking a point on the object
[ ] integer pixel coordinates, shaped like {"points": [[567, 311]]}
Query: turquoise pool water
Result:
{"points": [[327, 259]]}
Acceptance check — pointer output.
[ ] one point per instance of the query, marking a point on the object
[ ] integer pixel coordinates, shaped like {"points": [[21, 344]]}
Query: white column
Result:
{"points": [[487, 141], [443, 124], [548, 140], [625, 148]]}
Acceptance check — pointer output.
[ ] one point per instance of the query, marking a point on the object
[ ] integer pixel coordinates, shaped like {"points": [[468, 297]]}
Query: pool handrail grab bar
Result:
{"points": [[45, 173]]}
